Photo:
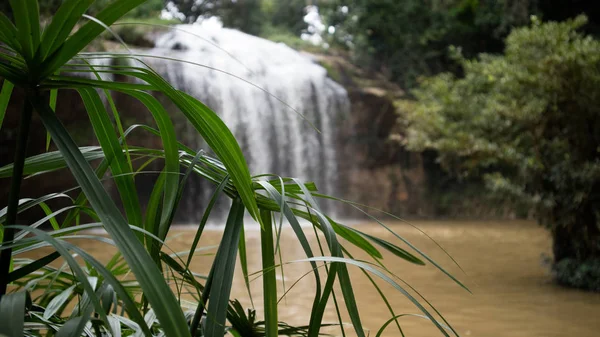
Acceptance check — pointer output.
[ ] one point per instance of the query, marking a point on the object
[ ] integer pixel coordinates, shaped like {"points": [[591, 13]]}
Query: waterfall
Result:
{"points": [[273, 137]]}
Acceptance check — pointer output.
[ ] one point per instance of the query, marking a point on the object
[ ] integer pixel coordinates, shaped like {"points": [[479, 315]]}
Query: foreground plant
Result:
{"points": [[96, 298]]}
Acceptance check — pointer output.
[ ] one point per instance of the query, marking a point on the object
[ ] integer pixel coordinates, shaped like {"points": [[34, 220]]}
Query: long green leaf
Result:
{"points": [[75, 326], [223, 274], [107, 137], [221, 140], [317, 307], [327, 227], [153, 215], [86, 34], [32, 267], [63, 21], [370, 268], [269, 280], [204, 220], [211, 127], [27, 20], [167, 134], [53, 97], [58, 302], [8, 33], [5, 94], [50, 161], [148, 275], [244, 263], [399, 252], [12, 311]]}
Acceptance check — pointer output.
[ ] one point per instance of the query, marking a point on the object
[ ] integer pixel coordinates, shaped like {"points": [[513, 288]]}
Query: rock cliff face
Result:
{"points": [[378, 171], [381, 173]]}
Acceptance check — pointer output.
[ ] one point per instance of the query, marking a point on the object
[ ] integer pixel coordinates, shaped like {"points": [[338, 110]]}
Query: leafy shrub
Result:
{"points": [[528, 122], [584, 275]]}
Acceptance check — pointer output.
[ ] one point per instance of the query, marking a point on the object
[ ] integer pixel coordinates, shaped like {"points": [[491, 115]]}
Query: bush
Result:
{"points": [[578, 274], [528, 122]]}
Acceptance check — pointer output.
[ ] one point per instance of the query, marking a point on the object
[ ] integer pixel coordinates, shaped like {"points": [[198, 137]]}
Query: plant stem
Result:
{"points": [[13, 194]]}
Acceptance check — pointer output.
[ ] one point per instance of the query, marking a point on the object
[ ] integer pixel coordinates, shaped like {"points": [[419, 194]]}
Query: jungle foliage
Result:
{"points": [[528, 122]]}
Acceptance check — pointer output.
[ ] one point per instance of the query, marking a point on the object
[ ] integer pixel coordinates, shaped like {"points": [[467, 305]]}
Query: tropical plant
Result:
{"points": [[139, 291], [528, 122]]}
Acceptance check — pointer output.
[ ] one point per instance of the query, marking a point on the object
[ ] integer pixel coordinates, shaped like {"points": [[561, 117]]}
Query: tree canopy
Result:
{"points": [[528, 121]]}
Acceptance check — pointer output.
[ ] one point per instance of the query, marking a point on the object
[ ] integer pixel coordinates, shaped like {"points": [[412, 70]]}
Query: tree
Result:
{"points": [[288, 15], [410, 38], [528, 122], [245, 15]]}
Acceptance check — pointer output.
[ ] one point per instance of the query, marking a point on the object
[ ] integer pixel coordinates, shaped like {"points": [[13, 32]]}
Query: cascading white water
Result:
{"points": [[273, 137]]}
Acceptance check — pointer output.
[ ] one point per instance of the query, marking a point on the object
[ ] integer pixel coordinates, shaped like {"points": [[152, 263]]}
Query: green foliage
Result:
{"points": [[283, 35], [245, 15], [409, 38], [256, 17], [288, 15], [528, 122], [139, 291], [584, 275]]}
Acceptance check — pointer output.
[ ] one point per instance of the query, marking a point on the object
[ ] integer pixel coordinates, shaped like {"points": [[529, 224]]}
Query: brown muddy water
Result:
{"points": [[512, 292]]}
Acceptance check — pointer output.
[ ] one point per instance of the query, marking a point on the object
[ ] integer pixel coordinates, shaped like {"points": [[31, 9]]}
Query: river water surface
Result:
{"points": [[511, 290]]}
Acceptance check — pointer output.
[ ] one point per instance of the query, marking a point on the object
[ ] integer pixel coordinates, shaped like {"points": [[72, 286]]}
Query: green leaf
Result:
{"points": [[221, 141], [27, 20], [224, 266], [368, 267], [171, 155], [5, 94], [153, 215], [50, 161], [395, 318], [74, 327], [244, 262], [12, 311], [86, 34], [207, 211], [107, 137], [212, 129], [356, 239], [327, 227], [399, 252], [53, 96], [269, 280], [342, 272], [147, 273], [58, 302], [62, 24], [32, 267], [316, 311], [8, 33]]}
